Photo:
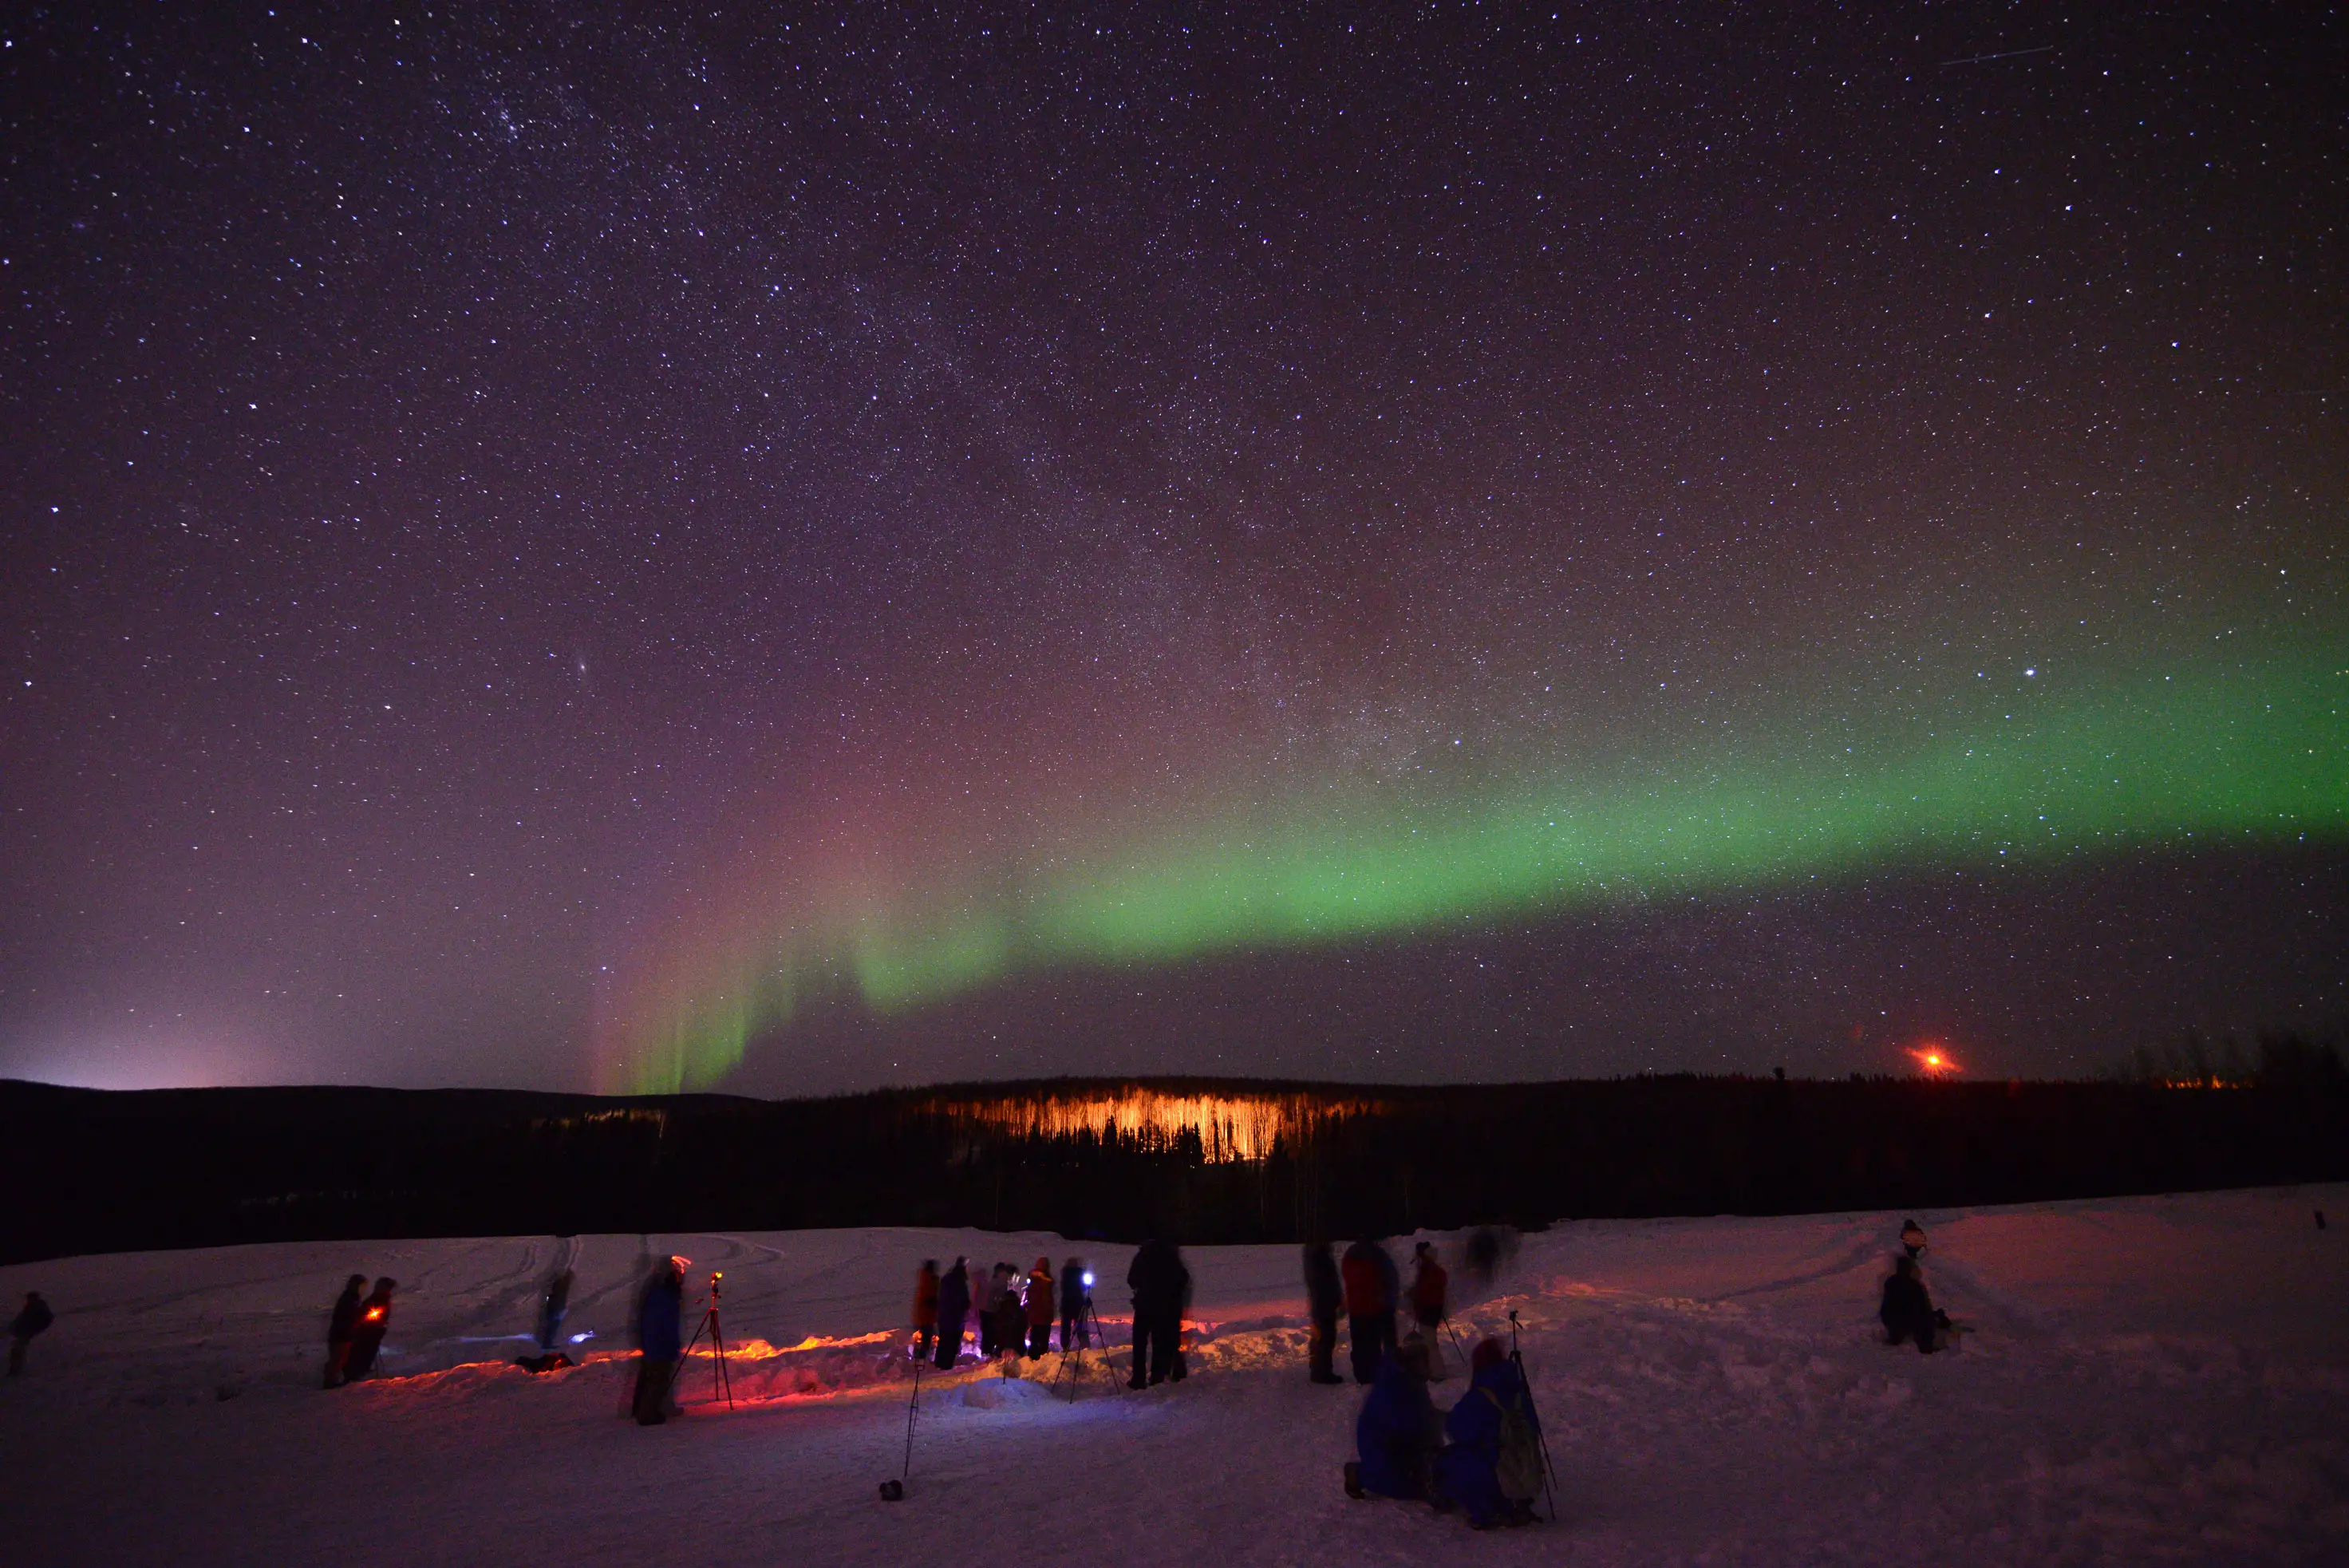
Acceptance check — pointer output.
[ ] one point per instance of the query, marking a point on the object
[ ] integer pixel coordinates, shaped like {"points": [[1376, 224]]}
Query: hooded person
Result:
{"points": [[1038, 1302], [341, 1323], [1324, 1294], [28, 1325], [660, 1341], [366, 1334], [1160, 1284], [1369, 1276], [1912, 1238], [1907, 1313], [954, 1305], [1492, 1466], [1075, 1334], [1395, 1434], [925, 1307]]}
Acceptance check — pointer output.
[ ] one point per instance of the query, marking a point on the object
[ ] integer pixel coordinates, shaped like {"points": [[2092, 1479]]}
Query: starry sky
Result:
{"points": [[790, 548]]}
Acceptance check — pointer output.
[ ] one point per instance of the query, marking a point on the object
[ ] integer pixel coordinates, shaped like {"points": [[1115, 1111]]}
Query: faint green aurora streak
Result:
{"points": [[2248, 755]]}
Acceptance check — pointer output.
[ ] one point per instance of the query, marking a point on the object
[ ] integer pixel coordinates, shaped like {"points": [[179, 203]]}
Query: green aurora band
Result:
{"points": [[2250, 755]]}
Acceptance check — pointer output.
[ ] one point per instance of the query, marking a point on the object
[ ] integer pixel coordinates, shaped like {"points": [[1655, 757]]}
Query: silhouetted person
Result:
{"points": [[1492, 1466], [1160, 1283], [1431, 1289], [1011, 1314], [954, 1305], [366, 1337], [553, 1309], [1369, 1280], [925, 1308], [1323, 1296], [1912, 1237], [988, 1307], [1395, 1435], [341, 1323], [24, 1327], [1074, 1334], [1907, 1313], [660, 1342], [1038, 1302]]}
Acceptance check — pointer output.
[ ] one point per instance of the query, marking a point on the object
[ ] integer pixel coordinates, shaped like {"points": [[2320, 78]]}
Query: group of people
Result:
{"points": [[1372, 1293], [1014, 1312], [1483, 1456], [356, 1327]]}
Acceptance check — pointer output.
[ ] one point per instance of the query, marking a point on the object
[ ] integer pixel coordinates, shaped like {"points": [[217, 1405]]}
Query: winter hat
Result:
{"points": [[1043, 1265], [1488, 1353]]}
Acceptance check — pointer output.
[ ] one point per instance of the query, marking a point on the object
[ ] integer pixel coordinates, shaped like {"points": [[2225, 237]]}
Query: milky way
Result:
{"points": [[799, 547]]}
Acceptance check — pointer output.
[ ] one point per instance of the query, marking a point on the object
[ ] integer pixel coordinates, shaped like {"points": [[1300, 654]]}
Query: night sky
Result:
{"points": [[792, 548]]}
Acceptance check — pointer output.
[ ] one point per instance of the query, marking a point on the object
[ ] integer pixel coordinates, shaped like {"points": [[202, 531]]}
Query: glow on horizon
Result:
{"points": [[2235, 756]]}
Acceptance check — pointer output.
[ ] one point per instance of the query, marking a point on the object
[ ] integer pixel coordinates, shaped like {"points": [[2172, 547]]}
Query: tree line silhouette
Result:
{"points": [[92, 1170]]}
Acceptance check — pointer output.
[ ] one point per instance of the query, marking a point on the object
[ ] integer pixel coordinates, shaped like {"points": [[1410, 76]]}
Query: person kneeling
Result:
{"points": [[1907, 1313], [1492, 1468], [1395, 1434]]}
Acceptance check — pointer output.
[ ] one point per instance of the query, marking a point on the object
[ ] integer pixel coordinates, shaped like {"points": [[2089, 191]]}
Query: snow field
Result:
{"points": [[2158, 1379]]}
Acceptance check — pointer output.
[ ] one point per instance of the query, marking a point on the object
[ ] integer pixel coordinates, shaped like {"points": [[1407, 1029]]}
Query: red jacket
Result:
{"points": [[1365, 1296], [1427, 1291], [1040, 1297]]}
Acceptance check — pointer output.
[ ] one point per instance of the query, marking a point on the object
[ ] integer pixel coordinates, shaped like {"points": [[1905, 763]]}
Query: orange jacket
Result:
{"points": [[925, 1298]]}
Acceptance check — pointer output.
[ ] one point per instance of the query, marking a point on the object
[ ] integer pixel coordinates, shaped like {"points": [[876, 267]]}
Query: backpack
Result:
{"points": [[1517, 1457]]}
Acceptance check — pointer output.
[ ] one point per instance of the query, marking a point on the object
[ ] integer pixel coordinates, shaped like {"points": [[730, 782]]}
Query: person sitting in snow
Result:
{"points": [[367, 1339], [925, 1307], [1907, 1313], [1492, 1466], [28, 1324], [954, 1305], [1039, 1302], [1395, 1435]]}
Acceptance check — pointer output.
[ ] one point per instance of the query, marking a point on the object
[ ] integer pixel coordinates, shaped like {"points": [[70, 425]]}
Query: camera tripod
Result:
{"points": [[722, 1382], [1089, 1330]]}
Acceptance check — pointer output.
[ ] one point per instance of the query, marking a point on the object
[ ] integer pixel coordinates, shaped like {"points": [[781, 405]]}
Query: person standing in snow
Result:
{"points": [[366, 1337], [1368, 1274], [1040, 1307], [925, 1307], [553, 1309], [954, 1305], [28, 1324], [1430, 1290], [341, 1323], [660, 1342], [1160, 1283], [991, 1300], [1323, 1295], [1075, 1334], [1010, 1315], [1396, 1434], [1907, 1313]]}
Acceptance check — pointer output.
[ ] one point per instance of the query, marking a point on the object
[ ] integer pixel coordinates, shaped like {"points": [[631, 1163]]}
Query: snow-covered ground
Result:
{"points": [[2161, 1379]]}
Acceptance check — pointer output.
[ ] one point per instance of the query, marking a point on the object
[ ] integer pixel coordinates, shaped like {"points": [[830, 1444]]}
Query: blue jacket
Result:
{"points": [[657, 1328], [1475, 1428], [1395, 1432]]}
